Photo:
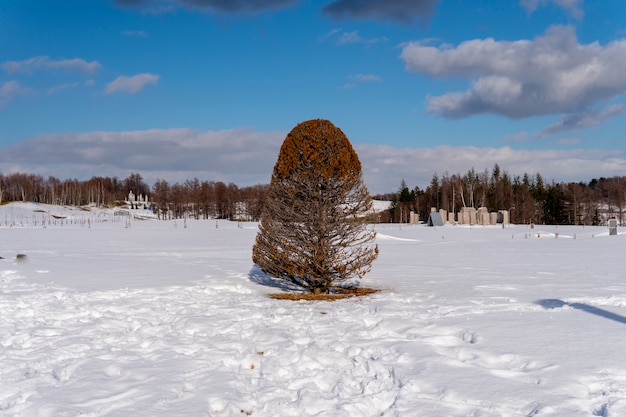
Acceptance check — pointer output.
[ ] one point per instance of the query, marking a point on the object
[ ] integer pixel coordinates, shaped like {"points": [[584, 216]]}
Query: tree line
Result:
{"points": [[528, 198], [193, 198]]}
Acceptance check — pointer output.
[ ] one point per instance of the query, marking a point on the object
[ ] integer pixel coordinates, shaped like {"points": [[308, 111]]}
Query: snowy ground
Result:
{"points": [[110, 317]]}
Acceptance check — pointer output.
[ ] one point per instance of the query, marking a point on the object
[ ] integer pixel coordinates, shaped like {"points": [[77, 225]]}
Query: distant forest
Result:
{"points": [[528, 197]]}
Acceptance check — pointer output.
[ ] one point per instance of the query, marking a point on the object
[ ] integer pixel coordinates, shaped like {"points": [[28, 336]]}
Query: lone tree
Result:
{"points": [[313, 230]]}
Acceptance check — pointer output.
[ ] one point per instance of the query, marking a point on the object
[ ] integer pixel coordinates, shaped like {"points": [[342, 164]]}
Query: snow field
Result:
{"points": [[162, 319]]}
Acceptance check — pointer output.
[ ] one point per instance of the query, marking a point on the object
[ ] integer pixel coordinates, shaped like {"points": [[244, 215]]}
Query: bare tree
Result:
{"points": [[313, 229], [134, 183], [161, 192]]}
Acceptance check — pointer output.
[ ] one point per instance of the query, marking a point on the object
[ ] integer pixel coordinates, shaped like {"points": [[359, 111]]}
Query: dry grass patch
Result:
{"points": [[338, 294]]}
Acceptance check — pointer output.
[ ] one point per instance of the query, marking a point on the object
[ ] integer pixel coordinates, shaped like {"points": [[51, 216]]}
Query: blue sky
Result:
{"points": [[177, 89]]}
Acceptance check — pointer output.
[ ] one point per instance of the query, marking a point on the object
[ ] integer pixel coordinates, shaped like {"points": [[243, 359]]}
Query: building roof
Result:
{"points": [[435, 219]]}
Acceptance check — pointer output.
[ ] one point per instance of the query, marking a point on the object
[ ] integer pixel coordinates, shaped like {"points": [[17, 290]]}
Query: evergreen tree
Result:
{"points": [[597, 221], [313, 229], [402, 204], [553, 206]]}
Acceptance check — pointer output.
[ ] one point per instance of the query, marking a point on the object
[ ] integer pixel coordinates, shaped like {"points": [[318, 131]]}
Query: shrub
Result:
{"points": [[313, 229]]}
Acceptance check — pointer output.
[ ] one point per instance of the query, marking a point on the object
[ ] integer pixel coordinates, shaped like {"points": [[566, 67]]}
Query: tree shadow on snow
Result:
{"points": [[257, 276], [551, 304]]}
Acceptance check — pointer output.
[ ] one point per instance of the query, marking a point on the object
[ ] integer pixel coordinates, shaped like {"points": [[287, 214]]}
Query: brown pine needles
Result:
{"points": [[339, 294]]}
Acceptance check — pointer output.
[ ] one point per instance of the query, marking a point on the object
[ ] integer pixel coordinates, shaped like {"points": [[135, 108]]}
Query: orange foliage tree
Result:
{"points": [[313, 230]]}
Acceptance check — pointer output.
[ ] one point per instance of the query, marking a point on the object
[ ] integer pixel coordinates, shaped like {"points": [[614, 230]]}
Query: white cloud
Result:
{"points": [[10, 90], [361, 79], [61, 87], [366, 78], [551, 74], [44, 62], [584, 119], [571, 6], [131, 85], [385, 166], [237, 155], [347, 38], [246, 158]]}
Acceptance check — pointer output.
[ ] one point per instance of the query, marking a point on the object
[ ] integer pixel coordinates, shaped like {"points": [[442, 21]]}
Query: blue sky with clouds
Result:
{"points": [[177, 89]]}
